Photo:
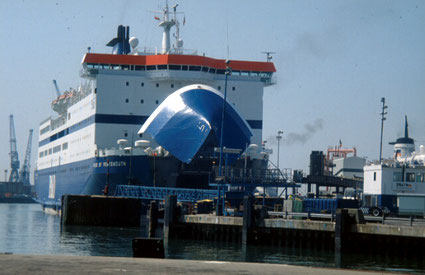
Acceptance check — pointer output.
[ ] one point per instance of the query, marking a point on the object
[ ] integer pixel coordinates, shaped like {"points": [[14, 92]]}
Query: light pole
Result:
{"points": [[383, 113], [228, 71], [278, 137], [226, 74]]}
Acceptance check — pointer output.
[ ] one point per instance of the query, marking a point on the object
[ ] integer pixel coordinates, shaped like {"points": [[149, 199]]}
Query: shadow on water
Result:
{"points": [[304, 256], [99, 241]]}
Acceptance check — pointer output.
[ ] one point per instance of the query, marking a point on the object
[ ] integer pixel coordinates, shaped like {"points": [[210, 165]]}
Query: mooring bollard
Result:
{"points": [[153, 219], [169, 215]]}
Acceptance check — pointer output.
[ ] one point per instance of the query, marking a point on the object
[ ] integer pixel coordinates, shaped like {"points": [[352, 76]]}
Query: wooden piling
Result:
{"points": [[247, 219], [153, 219], [170, 215]]}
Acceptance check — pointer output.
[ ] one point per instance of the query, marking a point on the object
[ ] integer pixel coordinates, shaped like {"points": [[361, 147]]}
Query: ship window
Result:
{"points": [[50, 151], [140, 135], [125, 134], [151, 67], [157, 85], [212, 70], [65, 146], [95, 90], [172, 85], [219, 88], [126, 100], [420, 177], [139, 68], [127, 83], [162, 67], [184, 67], [194, 68], [397, 176], [69, 116], [220, 71], [45, 130], [233, 88], [244, 73], [410, 177], [56, 149], [125, 67], [205, 69], [175, 67], [142, 84], [142, 101], [115, 67], [156, 101], [374, 176], [40, 155]]}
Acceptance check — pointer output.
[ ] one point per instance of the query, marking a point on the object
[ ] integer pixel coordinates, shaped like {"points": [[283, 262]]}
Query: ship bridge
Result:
{"points": [[166, 65]]}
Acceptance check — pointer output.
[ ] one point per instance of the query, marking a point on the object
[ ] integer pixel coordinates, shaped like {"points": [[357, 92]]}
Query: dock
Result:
{"points": [[43, 264]]}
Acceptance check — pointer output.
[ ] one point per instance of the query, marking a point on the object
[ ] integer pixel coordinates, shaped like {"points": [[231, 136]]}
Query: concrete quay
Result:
{"points": [[44, 264]]}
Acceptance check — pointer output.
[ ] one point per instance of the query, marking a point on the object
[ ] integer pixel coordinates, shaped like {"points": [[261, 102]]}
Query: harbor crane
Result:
{"points": [[14, 160], [58, 93], [25, 170]]}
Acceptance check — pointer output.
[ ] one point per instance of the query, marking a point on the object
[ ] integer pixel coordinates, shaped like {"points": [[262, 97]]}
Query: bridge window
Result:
{"points": [[205, 69], [65, 146], [212, 70], [139, 68], [410, 177], [220, 71], [194, 68], [175, 67], [162, 67], [184, 67], [397, 176], [151, 67]]}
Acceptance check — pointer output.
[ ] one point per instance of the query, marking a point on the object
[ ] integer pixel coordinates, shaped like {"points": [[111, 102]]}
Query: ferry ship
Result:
{"points": [[93, 144]]}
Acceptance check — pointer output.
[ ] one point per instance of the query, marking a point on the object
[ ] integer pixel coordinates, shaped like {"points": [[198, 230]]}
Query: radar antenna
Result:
{"points": [[269, 55]]}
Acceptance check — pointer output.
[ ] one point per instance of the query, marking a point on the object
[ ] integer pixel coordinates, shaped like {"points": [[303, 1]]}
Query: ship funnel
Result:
{"points": [[120, 44], [405, 146]]}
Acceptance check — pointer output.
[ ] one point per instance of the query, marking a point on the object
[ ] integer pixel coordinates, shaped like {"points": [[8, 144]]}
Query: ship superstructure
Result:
{"points": [[77, 150]]}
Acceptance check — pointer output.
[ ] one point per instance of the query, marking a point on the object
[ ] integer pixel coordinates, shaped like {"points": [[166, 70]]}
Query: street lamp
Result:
{"points": [[383, 113], [278, 137], [227, 72]]}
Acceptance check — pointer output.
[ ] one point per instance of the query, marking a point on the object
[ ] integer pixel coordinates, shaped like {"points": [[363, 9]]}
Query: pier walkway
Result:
{"points": [[43, 264]]}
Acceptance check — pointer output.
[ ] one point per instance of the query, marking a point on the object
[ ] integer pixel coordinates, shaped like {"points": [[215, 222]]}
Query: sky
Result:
{"points": [[335, 60]]}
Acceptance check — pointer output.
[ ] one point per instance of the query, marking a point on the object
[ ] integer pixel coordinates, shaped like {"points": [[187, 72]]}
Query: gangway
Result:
{"points": [[161, 193]]}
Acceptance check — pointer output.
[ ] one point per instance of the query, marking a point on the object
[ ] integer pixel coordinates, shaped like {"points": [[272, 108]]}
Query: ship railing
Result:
{"points": [[161, 193]]}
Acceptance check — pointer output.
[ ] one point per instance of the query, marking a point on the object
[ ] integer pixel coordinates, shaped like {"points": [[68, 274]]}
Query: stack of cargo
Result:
{"points": [[328, 205]]}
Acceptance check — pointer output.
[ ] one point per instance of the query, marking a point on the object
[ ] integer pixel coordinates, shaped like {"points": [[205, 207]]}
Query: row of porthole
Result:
{"points": [[172, 85], [141, 101], [143, 84]]}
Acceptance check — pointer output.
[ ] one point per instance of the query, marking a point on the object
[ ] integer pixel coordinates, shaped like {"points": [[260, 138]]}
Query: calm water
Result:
{"points": [[25, 229]]}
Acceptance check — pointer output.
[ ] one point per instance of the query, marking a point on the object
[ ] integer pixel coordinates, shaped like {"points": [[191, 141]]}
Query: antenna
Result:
{"points": [[269, 55], [383, 113]]}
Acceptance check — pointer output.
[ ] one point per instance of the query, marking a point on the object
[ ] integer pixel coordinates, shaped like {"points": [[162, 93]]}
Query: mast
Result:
{"points": [[166, 23]]}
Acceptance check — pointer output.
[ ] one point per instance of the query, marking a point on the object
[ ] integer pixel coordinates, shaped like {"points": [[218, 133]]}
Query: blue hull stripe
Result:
{"points": [[116, 119]]}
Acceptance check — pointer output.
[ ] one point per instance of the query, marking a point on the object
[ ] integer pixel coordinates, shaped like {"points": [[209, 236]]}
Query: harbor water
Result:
{"points": [[25, 229]]}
